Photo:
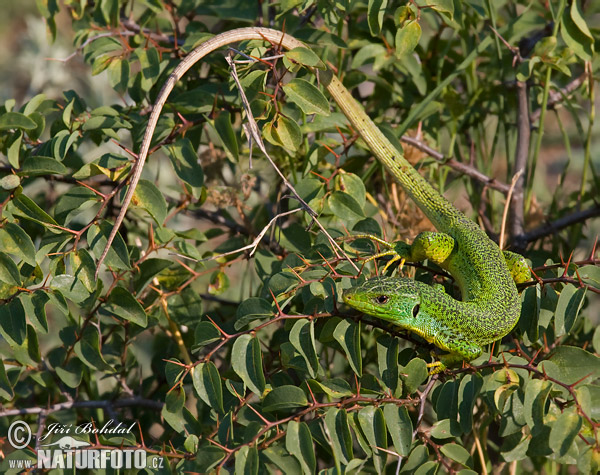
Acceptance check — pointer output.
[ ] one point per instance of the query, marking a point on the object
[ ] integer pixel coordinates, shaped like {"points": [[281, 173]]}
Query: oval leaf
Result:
{"points": [[306, 96]]}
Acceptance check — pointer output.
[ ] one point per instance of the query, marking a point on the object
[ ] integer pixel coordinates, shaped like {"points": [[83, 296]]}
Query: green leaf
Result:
{"points": [[223, 128], [468, 392], [172, 411], [353, 186], [288, 132], [207, 457], [16, 120], [284, 397], [27, 208], [246, 460], [336, 422], [302, 337], [71, 373], [569, 304], [246, 359], [445, 7], [9, 272], [185, 163], [15, 241], [88, 350], [13, 323], [375, 13], [122, 304], [9, 182], [347, 334], [415, 373], [372, 424], [572, 364], [6, 390], [219, 283], [590, 275], [70, 287], [84, 268], [345, 207], [298, 442], [36, 166], [457, 453], [400, 427], [97, 237], [118, 74], [207, 383], [306, 96], [446, 429], [74, 201], [14, 151], [110, 11], [536, 393], [564, 431], [34, 304], [254, 308], [387, 357], [205, 334], [335, 388], [149, 197], [148, 270], [407, 38], [576, 33], [305, 56], [150, 67]]}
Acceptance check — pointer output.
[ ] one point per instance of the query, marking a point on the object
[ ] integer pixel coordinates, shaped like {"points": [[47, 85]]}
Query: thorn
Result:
{"points": [[279, 312], [331, 150], [227, 336], [565, 273], [572, 385], [593, 253]]}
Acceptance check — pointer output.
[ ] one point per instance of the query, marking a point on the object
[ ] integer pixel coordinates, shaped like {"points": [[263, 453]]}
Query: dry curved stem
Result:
{"points": [[254, 244], [514, 182]]}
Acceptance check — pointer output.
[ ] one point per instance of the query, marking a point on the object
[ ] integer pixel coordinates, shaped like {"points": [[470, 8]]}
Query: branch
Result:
{"points": [[460, 167], [556, 97], [555, 226]]}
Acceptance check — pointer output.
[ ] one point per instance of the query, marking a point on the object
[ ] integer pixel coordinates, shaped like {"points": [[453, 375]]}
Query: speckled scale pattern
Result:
{"points": [[490, 305]]}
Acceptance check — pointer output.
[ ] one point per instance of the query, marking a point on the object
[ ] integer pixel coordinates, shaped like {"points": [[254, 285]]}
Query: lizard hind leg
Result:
{"points": [[517, 266]]}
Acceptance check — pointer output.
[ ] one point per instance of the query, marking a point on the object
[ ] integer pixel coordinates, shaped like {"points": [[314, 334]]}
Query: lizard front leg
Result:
{"points": [[436, 247], [458, 347]]}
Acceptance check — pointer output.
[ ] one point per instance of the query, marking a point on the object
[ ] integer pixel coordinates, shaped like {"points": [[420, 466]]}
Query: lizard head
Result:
{"points": [[389, 298]]}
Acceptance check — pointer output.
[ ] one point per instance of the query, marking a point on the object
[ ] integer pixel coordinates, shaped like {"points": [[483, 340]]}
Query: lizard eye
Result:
{"points": [[416, 310], [381, 299]]}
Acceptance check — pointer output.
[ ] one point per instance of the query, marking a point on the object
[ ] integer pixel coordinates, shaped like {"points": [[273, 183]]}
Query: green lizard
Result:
{"points": [[490, 305]]}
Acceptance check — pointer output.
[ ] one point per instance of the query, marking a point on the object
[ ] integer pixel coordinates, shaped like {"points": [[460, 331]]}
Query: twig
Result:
{"points": [[460, 167], [558, 224], [506, 207], [254, 244], [558, 96]]}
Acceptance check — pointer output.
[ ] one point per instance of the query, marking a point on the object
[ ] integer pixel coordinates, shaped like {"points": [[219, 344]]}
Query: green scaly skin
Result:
{"points": [[490, 303]]}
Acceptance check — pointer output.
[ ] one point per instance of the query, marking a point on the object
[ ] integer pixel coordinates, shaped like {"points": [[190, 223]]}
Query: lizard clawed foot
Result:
{"points": [[436, 367]]}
